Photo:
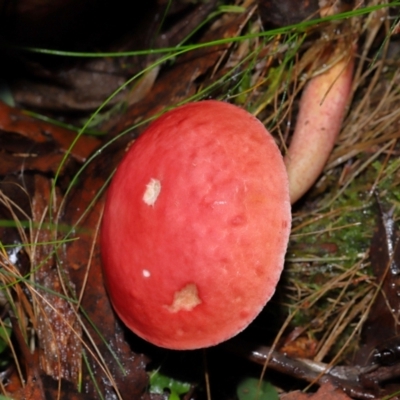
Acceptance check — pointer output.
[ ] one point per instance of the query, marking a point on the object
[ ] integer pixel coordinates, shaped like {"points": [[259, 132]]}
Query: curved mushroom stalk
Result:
{"points": [[321, 113]]}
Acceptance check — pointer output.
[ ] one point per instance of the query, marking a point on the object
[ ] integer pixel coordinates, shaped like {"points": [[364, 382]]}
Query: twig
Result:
{"points": [[345, 377]]}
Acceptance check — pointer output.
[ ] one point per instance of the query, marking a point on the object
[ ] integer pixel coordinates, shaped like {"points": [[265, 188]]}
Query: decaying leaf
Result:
{"points": [[326, 392], [381, 331], [383, 322], [58, 327]]}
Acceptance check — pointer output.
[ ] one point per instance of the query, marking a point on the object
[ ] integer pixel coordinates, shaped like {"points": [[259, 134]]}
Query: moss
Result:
{"points": [[327, 263]]}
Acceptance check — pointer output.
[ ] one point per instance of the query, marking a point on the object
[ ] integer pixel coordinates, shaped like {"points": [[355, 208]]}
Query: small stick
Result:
{"points": [[345, 377]]}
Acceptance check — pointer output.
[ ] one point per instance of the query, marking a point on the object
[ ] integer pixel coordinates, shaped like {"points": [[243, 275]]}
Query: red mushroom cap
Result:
{"points": [[195, 226]]}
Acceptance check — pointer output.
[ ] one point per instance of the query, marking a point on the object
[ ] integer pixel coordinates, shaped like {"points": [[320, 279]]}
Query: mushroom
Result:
{"points": [[197, 217], [195, 226]]}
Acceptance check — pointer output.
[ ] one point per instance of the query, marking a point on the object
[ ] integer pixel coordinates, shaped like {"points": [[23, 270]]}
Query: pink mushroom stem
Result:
{"points": [[322, 109]]}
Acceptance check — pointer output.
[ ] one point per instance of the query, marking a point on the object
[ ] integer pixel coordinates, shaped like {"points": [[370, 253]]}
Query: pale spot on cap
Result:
{"points": [[153, 189], [146, 273], [185, 299]]}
